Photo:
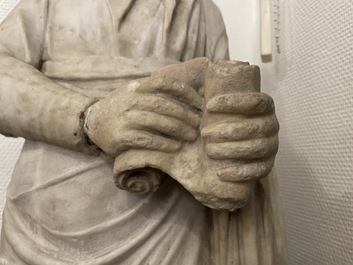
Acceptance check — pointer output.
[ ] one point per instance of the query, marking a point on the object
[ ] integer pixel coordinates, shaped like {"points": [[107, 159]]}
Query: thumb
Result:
{"points": [[191, 72]]}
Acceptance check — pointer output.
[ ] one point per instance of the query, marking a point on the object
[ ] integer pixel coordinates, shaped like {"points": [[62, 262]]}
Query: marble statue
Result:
{"points": [[139, 95]]}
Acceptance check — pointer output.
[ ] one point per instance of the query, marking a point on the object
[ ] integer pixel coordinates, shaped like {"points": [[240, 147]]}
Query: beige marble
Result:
{"points": [[139, 95]]}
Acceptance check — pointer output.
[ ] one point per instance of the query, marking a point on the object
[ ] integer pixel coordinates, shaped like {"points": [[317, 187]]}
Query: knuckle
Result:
{"points": [[263, 103], [108, 146], [264, 147], [262, 171]]}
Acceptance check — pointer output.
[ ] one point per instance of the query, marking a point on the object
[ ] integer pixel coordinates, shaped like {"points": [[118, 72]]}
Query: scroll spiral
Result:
{"points": [[141, 181]]}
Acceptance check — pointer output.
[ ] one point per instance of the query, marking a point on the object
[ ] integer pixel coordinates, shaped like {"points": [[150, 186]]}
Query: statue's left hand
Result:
{"points": [[250, 139]]}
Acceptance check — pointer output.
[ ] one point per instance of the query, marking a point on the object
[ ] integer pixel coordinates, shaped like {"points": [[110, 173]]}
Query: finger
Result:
{"points": [[169, 108], [245, 150], [247, 172], [250, 103], [243, 129], [159, 123], [172, 87], [141, 140], [191, 72]]}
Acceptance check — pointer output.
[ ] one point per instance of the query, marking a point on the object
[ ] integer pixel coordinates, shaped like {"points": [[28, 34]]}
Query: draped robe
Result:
{"points": [[62, 206]]}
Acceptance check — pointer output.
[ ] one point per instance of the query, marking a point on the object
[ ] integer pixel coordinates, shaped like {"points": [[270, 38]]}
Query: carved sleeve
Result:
{"points": [[217, 40], [31, 105]]}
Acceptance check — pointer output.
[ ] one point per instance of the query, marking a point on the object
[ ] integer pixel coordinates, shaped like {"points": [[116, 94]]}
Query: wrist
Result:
{"points": [[84, 117], [62, 124]]}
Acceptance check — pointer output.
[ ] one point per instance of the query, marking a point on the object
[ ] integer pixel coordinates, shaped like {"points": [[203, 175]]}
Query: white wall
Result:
{"points": [[312, 85], [313, 91]]}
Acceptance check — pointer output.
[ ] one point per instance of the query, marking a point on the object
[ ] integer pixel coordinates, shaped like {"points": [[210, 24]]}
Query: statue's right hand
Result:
{"points": [[156, 113]]}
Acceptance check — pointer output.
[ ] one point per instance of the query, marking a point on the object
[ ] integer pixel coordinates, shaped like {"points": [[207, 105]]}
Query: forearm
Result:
{"points": [[36, 108]]}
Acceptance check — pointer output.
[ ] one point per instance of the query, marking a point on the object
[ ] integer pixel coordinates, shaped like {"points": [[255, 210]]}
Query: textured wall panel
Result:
{"points": [[9, 151], [6, 6], [313, 91]]}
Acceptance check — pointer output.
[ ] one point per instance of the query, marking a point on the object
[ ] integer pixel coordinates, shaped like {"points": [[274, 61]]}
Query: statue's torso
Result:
{"points": [[63, 207]]}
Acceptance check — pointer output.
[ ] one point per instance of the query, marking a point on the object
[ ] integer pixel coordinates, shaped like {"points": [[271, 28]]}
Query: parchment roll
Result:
{"points": [[142, 171], [140, 180]]}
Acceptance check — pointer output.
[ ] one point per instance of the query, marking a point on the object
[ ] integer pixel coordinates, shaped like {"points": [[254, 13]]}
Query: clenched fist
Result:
{"points": [[250, 139], [155, 113], [239, 134]]}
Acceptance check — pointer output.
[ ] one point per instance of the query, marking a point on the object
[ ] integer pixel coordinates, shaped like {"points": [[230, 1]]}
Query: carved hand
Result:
{"points": [[239, 135], [238, 139], [250, 140], [154, 113]]}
